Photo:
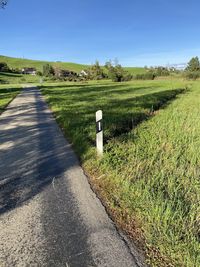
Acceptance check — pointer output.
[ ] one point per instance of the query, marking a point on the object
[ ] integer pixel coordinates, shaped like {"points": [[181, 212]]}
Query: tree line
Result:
{"points": [[113, 71], [3, 3]]}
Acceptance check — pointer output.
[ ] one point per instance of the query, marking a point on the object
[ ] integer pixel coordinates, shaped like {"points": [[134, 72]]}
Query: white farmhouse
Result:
{"points": [[31, 71], [83, 73]]}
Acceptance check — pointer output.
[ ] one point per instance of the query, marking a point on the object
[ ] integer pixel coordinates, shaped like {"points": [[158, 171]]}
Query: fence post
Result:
{"points": [[99, 132]]}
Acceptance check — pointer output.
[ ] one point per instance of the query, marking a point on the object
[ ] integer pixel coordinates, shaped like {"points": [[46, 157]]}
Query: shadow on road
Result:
{"points": [[34, 158]]}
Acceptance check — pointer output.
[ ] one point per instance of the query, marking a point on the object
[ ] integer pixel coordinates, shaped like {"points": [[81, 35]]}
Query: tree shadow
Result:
{"points": [[35, 158], [7, 91], [9, 74], [145, 107], [77, 107], [47, 158], [86, 90]]}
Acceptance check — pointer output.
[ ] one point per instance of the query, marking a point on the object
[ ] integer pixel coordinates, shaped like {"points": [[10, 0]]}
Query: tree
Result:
{"points": [[96, 72], [161, 71], [3, 3], [108, 65], [48, 70], [116, 73], [192, 75], [193, 65], [4, 67]]}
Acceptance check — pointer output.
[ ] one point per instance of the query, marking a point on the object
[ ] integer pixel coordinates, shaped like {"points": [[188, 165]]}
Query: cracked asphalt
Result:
{"points": [[49, 216]]}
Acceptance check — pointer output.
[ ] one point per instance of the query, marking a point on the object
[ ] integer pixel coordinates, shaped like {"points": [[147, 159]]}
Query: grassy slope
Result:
{"points": [[149, 177], [13, 78], [7, 94], [160, 183], [20, 63]]}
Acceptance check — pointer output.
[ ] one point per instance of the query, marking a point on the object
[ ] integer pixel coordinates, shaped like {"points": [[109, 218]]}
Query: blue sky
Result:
{"points": [[137, 32]]}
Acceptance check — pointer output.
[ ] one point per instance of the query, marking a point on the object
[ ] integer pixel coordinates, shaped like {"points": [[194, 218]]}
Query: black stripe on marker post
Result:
{"points": [[99, 126]]}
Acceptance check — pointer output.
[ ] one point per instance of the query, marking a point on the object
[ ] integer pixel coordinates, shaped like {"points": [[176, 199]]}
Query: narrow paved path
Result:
{"points": [[49, 216]]}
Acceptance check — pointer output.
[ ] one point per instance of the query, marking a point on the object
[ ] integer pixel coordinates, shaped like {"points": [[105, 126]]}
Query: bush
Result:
{"points": [[117, 73], [96, 72], [48, 70], [160, 71], [16, 70], [39, 73], [146, 76], [127, 77], [4, 67]]}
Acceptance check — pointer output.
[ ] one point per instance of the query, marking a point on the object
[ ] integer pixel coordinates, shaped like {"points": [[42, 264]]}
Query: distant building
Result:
{"points": [[83, 73], [31, 71], [180, 66]]}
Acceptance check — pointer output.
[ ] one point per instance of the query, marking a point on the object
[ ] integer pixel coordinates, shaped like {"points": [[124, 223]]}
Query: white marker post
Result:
{"points": [[99, 131]]}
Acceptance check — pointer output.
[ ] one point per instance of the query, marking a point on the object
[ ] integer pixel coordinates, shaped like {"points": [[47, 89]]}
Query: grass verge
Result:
{"points": [[7, 94], [149, 175]]}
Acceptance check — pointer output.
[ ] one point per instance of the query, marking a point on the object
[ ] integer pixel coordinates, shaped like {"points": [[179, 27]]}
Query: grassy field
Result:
{"points": [[7, 93], [149, 175], [12, 78], [21, 63]]}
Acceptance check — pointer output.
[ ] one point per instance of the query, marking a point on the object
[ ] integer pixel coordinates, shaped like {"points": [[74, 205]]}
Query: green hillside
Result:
{"points": [[38, 64]]}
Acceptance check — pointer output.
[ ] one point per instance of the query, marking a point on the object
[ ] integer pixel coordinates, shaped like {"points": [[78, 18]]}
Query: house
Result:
{"points": [[83, 73], [31, 71]]}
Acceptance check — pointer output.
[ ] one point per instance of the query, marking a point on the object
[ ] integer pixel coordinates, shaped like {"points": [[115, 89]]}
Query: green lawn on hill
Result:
{"points": [[21, 63]]}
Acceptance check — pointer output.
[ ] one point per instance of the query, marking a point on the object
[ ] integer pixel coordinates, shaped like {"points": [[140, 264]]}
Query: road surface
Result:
{"points": [[49, 216]]}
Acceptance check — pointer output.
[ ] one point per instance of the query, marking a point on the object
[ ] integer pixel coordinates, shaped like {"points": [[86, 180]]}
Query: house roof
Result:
{"points": [[29, 69]]}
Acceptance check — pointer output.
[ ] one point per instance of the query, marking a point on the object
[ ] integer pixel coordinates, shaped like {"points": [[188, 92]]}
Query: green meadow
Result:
{"points": [[149, 175], [13, 78], [148, 178]]}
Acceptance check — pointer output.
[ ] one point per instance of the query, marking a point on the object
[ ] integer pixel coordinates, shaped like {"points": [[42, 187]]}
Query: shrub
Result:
{"points": [[117, 73], [4, 67], [48, 70], [39, 73], [16, 70], [96, 72], [146, 76], [162, 71], [192, 75], [127, 77]]}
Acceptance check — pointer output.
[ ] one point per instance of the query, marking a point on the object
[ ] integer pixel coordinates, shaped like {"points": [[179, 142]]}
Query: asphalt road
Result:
{"points": [[49, 216]]}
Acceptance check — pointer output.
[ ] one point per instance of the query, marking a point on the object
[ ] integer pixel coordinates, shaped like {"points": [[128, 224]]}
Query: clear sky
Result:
{"points": [[137, 32]]}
